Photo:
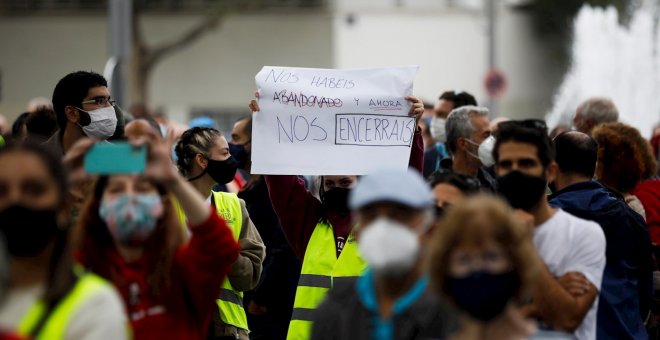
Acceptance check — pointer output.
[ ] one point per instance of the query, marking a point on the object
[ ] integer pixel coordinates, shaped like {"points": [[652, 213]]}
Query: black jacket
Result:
{"points": [[626, 289], [343, 316]]}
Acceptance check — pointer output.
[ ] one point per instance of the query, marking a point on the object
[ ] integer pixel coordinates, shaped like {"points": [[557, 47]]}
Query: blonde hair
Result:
{"points": [[477, 219]]}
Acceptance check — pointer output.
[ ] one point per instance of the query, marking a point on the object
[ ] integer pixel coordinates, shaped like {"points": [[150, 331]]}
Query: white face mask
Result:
{"points": [[389, 247], [438, 129], [484, 151], [103, 123]]}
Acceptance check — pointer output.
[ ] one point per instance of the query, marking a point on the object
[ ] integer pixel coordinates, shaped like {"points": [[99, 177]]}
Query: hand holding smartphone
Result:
{"points": [[115, 158]]}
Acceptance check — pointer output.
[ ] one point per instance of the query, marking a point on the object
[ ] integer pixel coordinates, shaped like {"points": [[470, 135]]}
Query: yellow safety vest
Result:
{"points": [[320, 270], [230, 301], [57, 323]]}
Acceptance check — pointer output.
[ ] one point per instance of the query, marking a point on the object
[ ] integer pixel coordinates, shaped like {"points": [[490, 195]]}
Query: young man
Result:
{"points": [[572, 249], [83, 107]]}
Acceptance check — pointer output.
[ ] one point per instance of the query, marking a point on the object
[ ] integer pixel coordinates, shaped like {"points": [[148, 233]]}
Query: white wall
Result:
{"points": [[216, 72], [450, 46], [36, 52]]}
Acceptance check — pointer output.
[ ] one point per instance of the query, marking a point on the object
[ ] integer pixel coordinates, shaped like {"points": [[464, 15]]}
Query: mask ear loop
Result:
{"points": [[81, 110], [200, 175], [475, 144]]}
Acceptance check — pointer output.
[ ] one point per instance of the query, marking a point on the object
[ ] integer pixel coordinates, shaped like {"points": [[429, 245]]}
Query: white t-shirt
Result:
{"points": [[101, 316], [570, 244]]}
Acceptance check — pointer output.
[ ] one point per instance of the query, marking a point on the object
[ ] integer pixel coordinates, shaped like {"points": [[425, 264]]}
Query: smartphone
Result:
{"points": [[115, 158]]}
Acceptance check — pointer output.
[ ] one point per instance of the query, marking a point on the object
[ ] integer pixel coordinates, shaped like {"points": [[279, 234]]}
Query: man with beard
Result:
{"points": [[572, 249]]}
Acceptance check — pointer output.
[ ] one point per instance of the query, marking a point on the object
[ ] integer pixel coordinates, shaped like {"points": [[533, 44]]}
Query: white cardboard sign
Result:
{"points": [[332, 122]]}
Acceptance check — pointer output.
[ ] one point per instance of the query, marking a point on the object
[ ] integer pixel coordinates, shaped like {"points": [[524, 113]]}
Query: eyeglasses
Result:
{"points": [[100, 101]]}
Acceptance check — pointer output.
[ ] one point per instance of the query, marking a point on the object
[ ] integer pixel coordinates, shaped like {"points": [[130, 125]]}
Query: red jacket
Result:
{"points": [[299, 211], [185, 309], [649, 193]]}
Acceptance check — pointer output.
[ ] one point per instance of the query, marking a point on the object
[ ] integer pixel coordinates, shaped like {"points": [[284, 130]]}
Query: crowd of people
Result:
{"points": [[498, 229]]}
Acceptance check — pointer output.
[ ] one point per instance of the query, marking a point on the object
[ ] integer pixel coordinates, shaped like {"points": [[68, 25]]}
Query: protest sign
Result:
{"points": [[332, 122]]}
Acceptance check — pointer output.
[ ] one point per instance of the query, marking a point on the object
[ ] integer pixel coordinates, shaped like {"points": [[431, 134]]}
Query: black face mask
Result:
{"points": [[481, 294], [27, 231], [336, 199], [521, 190], [240, 154], [222, 172]]}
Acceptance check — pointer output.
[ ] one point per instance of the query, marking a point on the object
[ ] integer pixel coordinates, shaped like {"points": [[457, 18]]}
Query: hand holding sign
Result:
{"points": [[322, 121]]}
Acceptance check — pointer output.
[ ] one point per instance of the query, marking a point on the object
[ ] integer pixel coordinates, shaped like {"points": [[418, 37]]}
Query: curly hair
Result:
{"points": [[198, 140], [624, 156], [480, 218]]}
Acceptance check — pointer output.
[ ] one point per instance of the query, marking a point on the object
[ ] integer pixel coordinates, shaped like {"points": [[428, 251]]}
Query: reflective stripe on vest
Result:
{"points": [[56, 325], [230, 301], [321, 269]]}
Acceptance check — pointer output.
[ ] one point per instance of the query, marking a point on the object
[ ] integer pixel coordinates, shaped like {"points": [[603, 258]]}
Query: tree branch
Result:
{"points": [[157, 53]]}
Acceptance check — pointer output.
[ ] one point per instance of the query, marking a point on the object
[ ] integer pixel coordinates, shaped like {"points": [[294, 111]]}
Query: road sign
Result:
{"points": [[495, 83]]}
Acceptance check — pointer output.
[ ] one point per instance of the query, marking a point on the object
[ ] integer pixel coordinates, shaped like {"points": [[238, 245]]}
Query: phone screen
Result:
{"points": [[115, 158]]}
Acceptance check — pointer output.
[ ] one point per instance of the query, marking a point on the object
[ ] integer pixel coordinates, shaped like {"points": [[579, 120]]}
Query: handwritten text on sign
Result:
{"points": [[332, 122]]}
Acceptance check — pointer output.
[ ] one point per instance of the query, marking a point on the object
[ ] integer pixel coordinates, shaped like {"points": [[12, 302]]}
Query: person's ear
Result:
{"points": [[461, 143], [551, 172], [201, 161], [72, 114]]}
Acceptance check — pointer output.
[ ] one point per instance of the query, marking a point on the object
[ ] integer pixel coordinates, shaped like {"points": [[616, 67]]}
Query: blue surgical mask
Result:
{"points": [[131, 218]]}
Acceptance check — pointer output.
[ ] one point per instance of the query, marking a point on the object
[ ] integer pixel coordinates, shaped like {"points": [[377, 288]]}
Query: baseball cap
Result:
{"points": [[406, 187]]}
